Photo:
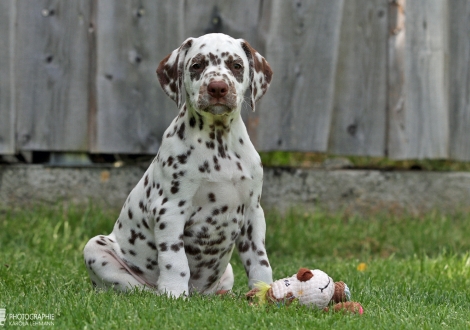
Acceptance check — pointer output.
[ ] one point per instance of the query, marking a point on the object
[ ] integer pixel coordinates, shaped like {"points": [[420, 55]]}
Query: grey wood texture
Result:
{"points": [[359, 124], [396, 135], [51, 74], [301, 48], [79, 76], [459, 84], [426, 114], [132, 38], [7, 109], [239, 19]]}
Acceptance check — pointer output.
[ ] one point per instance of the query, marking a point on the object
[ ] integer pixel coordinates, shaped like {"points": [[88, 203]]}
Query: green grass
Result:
{"points": [[316, 160], [417, 276]]}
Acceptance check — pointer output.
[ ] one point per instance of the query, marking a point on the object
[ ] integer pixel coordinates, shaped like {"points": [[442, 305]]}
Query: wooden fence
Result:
{"points": [[353, 77]]}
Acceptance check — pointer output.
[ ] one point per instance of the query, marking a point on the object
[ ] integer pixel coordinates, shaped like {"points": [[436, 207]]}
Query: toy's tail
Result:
{"points": [[262, 293]]}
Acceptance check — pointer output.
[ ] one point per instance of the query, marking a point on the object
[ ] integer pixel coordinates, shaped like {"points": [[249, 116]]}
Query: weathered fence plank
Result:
{"points": [[297, 113], [359, 115], [7, 109], [51, 74], [132, 38], [459, 86], [396, 136], [426, 125], [238, 19]]}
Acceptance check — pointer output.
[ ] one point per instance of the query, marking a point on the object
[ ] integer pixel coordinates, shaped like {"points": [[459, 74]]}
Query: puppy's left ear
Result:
{"points": [[170, 72], [260, 73], [304, 274]]}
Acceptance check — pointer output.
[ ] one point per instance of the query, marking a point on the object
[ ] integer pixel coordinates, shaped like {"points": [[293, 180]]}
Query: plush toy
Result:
{"points": [[313, 288]]}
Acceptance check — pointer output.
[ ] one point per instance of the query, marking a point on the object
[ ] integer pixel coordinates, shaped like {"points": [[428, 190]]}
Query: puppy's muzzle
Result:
{"points": [[217, 89], [218, 103]]}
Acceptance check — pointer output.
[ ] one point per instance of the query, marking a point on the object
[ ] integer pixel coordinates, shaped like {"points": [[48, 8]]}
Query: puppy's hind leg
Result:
{"points": [[107, 270], [226, 281]]}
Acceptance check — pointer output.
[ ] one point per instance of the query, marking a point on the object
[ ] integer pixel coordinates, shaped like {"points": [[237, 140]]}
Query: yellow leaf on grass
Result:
{"points": [[362, 267]]}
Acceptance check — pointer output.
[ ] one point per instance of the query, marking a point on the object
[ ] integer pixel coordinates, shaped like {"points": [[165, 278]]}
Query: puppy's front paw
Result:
{"points": [[173, 292]]}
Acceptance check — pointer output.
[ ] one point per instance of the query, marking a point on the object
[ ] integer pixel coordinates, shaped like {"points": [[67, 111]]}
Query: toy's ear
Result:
{"points": [[170, 72], [260, 73], [304, 274]]}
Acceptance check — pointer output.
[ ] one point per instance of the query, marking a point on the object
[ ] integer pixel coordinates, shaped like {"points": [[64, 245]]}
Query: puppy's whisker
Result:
{"points": [[246, 103]]}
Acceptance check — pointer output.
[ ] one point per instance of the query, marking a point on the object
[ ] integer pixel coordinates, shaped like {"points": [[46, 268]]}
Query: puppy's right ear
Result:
{"points": [[260, 73], [170, 72]]}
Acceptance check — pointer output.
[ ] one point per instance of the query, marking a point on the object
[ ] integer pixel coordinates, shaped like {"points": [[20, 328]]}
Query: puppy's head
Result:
{"points": [[213, 72]]}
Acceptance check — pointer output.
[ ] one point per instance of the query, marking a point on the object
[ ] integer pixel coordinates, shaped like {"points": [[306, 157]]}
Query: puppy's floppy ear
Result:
{"points": [[170, 72], [260, 73], [304, 274]]}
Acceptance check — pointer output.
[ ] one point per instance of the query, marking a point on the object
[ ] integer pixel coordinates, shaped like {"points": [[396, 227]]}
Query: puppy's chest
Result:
{"points": [[213, 229], [218, 214], [230, 182], [209, 238], [227, 161], [227, 169]]}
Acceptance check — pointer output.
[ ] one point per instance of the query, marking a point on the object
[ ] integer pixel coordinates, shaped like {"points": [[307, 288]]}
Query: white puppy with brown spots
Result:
{"points": [[200, 196]]}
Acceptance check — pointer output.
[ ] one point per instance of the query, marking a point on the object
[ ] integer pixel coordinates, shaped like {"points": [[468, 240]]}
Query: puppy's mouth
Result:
{"points": [[218, 109]]}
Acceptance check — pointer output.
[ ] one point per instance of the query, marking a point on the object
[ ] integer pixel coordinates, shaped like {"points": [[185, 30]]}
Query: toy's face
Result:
{"points": [[324, 283], [318, 290]]}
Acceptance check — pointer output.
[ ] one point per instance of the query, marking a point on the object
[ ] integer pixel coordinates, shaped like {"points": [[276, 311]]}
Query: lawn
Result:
{"points": [[417, 273]]}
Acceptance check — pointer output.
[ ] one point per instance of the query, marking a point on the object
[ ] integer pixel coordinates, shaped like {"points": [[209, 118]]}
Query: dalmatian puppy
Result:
{"points": [[200, 197]]}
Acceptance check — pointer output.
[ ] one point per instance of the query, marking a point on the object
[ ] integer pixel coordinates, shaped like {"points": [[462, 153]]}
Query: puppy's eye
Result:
{"points": [[237, 66], [196, 66]]}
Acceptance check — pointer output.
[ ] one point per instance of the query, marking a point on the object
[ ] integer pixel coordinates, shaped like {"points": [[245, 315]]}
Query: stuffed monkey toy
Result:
{"points": [[312, 288]]}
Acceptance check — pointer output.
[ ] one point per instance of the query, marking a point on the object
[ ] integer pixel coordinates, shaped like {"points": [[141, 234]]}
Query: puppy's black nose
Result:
{"points": [[217, 89]]}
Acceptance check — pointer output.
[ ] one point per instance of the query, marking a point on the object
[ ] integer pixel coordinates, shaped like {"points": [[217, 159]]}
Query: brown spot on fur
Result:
{"points": [[145, 224], [211, 197], [243, 247], [235, 65], [181, 131], [192, 122], [264, 263], [146, 182]]}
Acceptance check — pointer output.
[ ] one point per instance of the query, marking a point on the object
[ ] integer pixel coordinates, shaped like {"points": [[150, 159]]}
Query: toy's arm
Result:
{"points": [[341, 301], [250, 295], [345, 307], [269, 297]]}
